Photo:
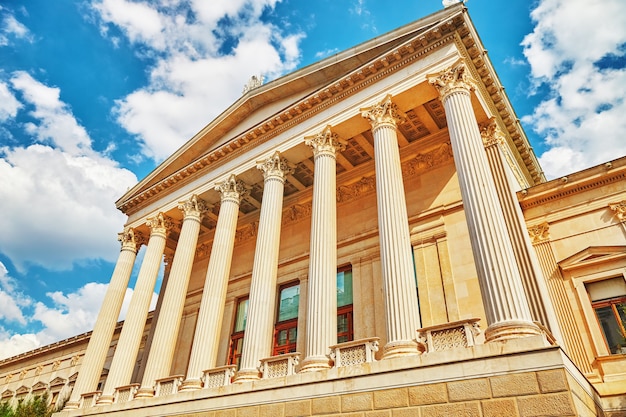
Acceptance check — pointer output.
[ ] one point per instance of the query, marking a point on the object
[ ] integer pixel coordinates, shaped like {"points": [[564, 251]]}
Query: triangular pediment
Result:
{"points": [[39, 386], [57, 381], [7, 393], [593, 255], [264, 108], [22, 390]]}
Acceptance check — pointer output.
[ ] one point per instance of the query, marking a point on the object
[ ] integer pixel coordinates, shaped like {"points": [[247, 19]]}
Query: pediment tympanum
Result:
{"points": [[593, 255]]}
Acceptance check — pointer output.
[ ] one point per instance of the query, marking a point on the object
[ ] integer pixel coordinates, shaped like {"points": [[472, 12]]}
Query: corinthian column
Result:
{"points": [[210, 317], [401, 305], [166, 332], [506, 305], [257, 340], [100, 339], [541, 308], [322, 291], [130, 338]]}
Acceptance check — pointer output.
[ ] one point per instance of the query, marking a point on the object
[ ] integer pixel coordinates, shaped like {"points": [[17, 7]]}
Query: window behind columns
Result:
{"points": [[286, 330], [236, 339], [345, 332], [608, 300]]}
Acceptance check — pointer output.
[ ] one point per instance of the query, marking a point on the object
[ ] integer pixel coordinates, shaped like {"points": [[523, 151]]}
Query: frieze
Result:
{"points": [[247, 232], [297, 212], [352, 191], [428, 160], [203, 250]]}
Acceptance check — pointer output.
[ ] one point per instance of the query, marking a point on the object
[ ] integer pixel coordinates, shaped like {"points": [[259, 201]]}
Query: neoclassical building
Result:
{"points": [[370, 235]]}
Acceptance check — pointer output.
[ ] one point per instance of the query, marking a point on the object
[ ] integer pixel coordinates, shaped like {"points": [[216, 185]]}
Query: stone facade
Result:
{"points": [[359, 220]]}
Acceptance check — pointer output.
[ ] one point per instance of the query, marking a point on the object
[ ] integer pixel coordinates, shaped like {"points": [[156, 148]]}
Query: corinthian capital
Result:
{"points": [[130, 239], [452, 79], [619, 209], [233, 189], [491, 133], [540, 233], [385, 112], [159, 224], [275, 167], [193, 207], [325, 143]]}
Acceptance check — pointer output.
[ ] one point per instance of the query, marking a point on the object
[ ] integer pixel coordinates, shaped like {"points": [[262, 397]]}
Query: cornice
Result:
{"points": [[434, 37], [576, 183]]}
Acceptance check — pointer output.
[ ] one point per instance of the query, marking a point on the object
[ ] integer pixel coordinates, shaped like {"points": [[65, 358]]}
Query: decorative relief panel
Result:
{"points": [[540, 233], [349, 192], [619, 209], [427, 160]]}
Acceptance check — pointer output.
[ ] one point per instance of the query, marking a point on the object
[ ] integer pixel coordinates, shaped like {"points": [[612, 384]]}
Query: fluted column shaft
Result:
{"points": [[257, 341], [506, 305], [401, 304], [100, 340], [132, 331], [206, 337], [322, 291], [541, 307], [166, 332]]}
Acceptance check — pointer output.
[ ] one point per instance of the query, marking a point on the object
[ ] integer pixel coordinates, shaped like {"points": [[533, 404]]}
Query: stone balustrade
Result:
{"points": [[125, 393], [354, 352], [89, 399], [280, 365], [218, 377], [168, 385], [450, 335]]}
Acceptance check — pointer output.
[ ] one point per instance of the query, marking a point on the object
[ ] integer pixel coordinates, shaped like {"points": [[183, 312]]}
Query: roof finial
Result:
{"points": [[448, 3], [254, 82]]}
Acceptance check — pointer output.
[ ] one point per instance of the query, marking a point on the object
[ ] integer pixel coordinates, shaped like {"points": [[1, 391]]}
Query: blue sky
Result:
{"points": [[95, 93]]}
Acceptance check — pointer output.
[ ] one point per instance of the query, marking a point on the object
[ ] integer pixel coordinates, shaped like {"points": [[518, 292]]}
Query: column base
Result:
{"points": [[247, 375], [190, 385], [145, 392], [105, 400], [316, 363], [72, 405], [400, 348], [511, 329]]}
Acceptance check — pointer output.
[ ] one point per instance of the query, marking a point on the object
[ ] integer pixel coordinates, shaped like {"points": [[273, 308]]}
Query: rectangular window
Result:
{"points": [[236, 339], [608, 300], [344, 305], [286, 330]]}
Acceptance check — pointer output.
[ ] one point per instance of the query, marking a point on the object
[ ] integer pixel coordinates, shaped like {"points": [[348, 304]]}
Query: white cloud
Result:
{"points": [[204, 52], [582, 117], [61, 191], [8, 103], [63, 316], [11, 27]]}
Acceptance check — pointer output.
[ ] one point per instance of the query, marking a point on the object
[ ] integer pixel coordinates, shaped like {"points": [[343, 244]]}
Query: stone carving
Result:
{"points": [[452, 79], [428, 160], [160, 223], [491, 133], [619, 209], [23, 373], [131, 239], [55, 365], [325, 143], [8, 378], [248, 231], [218, 377], [39, 370], [297, 212], [350, 192], [385, 112], [281, 365], [540, 233], [193, 207], [253, 82], [233, 189], [275, 167], [203, 250], [74, 360], [355, 352]]}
